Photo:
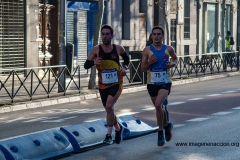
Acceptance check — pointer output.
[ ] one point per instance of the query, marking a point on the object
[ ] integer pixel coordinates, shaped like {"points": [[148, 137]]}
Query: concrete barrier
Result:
{"points": [[134, 127], [86, 135], [38, 145]]}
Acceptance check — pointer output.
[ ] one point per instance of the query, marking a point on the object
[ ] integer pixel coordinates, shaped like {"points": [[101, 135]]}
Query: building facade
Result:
{"points": [[198, 26], [29, 33]]}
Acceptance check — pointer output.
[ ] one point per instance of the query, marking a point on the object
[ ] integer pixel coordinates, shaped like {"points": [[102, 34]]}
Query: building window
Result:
{"points": [[227, 19], [12, 35], [186, 53], [186, 19], [143, 6], [126, 19]]}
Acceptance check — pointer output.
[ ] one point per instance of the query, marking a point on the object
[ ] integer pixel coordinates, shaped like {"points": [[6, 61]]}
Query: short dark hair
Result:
{"points": [[158, 27], [229, 32], [106, 26]]}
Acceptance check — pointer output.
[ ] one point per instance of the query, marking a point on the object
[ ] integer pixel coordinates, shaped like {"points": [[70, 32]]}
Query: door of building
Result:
{"points": [[48, 32]]}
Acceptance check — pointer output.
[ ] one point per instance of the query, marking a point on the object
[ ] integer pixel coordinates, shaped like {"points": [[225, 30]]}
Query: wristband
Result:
{"points": [[125, 67]]}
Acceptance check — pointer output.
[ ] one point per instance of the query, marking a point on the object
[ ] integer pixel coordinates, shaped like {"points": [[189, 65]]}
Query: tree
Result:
{"points": [[92, 79], [165, 12]]}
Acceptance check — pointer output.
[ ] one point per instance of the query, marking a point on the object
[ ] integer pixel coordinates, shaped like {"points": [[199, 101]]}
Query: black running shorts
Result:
{"points": [[114, 91], [153, 89]]}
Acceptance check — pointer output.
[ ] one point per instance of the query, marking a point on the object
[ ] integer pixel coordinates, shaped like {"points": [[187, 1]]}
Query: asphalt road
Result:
{"points": [[188, 103]]}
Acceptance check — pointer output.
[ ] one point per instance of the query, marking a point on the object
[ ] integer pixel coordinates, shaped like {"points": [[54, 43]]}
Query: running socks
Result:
{"points": [[117, 127], [109, 130]]}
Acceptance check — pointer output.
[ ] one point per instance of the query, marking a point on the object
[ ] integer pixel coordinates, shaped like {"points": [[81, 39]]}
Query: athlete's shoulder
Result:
{"points": [[169, 47], [120, 49], [95, 49], [146, 49], [119, 46]]}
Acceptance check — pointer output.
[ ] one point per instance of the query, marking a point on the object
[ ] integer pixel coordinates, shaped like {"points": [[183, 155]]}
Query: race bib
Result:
{"points": [[158, 75], [109, 76]]}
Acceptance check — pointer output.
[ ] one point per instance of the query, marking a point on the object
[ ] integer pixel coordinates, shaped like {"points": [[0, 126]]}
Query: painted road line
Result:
{"points": [[212, 95], [229, 92], [178, 125], [221, 113], [197, 119], [148, 109], [127, 113], [13, 120], [60, 120], [39, 119], [194, 99], [93, 120], [175, 103]]}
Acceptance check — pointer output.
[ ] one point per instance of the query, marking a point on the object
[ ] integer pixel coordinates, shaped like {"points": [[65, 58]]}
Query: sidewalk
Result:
{"points": [[93, 93]]}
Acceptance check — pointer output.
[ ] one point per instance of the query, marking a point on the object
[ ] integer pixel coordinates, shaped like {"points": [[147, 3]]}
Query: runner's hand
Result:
{"points": [[97, 60], [123, 72], [152, 60], [170, 65]]}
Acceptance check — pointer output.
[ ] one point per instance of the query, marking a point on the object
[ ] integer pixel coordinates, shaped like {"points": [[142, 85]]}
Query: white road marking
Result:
{"points": [[229, 92], [197, 119], [194, 99], [175, 103], [237, 107], [39, 119], [69, 111], [178, 125], [221, 113], [60, 120], [212, 95], [13, 120], [149, 109], [92, 120], [127, 113]]}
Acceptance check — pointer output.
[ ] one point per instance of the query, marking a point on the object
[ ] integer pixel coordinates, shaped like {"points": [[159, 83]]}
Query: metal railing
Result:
{"points": [[46, 82], [209, 63]]}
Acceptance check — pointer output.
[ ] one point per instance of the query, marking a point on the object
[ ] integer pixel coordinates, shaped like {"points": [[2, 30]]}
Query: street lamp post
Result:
{"points": [[62, 42]]}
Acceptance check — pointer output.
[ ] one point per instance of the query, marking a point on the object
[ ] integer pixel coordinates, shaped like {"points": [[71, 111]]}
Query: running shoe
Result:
{"points": [[168, 131], [161, 139], [118, 135], [108, 139]]}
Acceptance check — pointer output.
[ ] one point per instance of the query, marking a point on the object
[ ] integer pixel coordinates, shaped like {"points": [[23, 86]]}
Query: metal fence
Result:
{"points": [[50, 81]]}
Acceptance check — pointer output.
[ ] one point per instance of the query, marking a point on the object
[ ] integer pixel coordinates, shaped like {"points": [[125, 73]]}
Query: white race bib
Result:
{"points": [[109, 76], [158, 76]]}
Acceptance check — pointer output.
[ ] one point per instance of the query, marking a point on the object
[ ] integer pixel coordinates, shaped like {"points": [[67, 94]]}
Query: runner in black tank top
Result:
{"points": [[109, 71], [110, 77]]}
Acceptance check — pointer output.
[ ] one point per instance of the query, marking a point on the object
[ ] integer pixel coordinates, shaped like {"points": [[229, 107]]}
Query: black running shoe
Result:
{"points": [[161, 139], [168, 131], [118, 135], [108, 139]]}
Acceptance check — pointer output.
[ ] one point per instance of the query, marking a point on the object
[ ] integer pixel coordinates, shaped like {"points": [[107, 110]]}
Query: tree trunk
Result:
{"points": [[92, 79], [166, 20]]}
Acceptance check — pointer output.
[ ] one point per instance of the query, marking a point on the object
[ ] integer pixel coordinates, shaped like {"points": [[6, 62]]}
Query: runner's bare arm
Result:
{"points": [[91, 59], [173, 56], [93, 53], [144, 64]]}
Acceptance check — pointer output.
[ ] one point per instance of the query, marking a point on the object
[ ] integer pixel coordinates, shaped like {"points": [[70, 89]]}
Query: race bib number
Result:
{"points": [[109, 76], [158, 75]]}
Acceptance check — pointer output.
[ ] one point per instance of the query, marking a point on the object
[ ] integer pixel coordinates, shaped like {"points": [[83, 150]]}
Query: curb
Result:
{"points": [[87, 96]]}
